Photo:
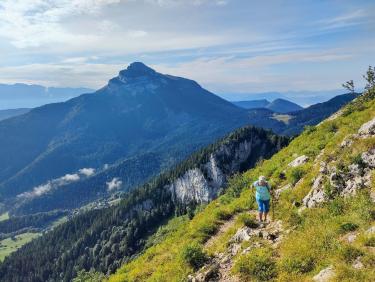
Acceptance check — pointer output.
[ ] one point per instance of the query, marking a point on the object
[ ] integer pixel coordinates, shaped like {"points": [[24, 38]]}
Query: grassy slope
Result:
{"points": [[314, 241], [4, 216], [8, 245]]}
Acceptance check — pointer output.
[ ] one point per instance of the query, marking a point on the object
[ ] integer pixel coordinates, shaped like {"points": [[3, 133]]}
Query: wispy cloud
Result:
{"points": [[114, 184], [352, 18], [57, 183]]}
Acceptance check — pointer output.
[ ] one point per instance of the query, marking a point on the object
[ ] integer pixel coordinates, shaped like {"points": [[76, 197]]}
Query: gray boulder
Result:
{"points": [[367, 129], [316, 194], [299, 161], [325, 275]]}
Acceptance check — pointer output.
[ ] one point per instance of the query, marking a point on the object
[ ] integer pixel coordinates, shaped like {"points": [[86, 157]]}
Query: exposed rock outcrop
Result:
{"points": [[204, 182], [325, 275], [367, 129], [316, 194], [343, 182], [299, 161]]}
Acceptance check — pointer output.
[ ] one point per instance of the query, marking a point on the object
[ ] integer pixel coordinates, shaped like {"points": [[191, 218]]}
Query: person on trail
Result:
{"points": [[263, 197]]}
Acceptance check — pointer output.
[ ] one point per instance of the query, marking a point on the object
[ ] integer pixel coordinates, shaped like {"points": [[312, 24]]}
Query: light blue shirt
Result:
{"points": [[262, 192]]}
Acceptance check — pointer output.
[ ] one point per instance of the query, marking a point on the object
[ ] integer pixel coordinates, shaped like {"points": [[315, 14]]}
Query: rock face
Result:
{"points": [[299, 161], [202, 184]]}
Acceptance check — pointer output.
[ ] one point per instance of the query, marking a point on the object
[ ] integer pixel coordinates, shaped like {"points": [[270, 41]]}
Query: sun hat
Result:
{"points": [[262, 178]]}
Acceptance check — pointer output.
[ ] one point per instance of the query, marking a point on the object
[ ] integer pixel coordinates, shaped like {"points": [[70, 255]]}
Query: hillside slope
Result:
{"points": [[104, 239], [323, 225]]}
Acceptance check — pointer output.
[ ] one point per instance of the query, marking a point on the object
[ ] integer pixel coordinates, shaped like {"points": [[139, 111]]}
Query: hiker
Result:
{"points": [[263, 197]]}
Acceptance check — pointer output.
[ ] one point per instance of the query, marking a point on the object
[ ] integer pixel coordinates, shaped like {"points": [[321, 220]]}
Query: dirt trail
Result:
{"points": [[223, 228], [219, 269]]}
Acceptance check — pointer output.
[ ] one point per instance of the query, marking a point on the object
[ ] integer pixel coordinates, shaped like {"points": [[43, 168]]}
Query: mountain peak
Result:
{"points": [[137, 69]]}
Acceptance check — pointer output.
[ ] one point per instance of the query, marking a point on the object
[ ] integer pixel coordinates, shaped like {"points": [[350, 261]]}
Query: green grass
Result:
{"points": [[59, 221], [8, 246], [4, 216], [314, 242]]}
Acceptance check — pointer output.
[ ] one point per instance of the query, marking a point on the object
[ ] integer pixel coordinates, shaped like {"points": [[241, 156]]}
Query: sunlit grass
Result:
{"points": [[10, 245]]}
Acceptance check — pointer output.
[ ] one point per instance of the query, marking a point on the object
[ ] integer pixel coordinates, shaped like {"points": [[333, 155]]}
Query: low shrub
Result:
{"points": [[309, 129], [348, 227], [294, 218], [257, 265], [332, 127], [207, 230], [248, 220], [296, 174], [194, 255], [350, 253], [336, 207], [357, 159], [298, 264], [369, 260], [370, 241], [223, 214]]}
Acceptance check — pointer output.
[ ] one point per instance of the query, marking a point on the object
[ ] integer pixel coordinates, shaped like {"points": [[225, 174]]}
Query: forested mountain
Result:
{"points": [[104, 239], [323, 215], [138, 112]]}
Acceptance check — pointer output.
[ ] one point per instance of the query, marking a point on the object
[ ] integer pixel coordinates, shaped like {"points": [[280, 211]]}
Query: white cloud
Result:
{"points": [[56, 183], [114, 184], [87, 171], [62, 74], [69, 178], [31, 23], [229, 73]]}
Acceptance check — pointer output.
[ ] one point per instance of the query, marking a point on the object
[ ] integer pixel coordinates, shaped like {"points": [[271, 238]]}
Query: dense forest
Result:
{"points": [[105, 239]]}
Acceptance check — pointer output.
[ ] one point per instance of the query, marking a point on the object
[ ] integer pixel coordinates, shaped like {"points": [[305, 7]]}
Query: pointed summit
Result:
{"points": [[137, 69]]}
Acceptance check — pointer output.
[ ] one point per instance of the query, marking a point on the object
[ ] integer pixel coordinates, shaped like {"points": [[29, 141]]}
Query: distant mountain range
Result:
{"points": [[303, 98], [293, 123], [140, 116], [4, 114], [277, 105], [22, 95]]}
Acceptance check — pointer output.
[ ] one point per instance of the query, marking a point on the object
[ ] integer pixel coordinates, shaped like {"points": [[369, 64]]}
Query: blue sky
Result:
{"points": [[228, 46]]}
